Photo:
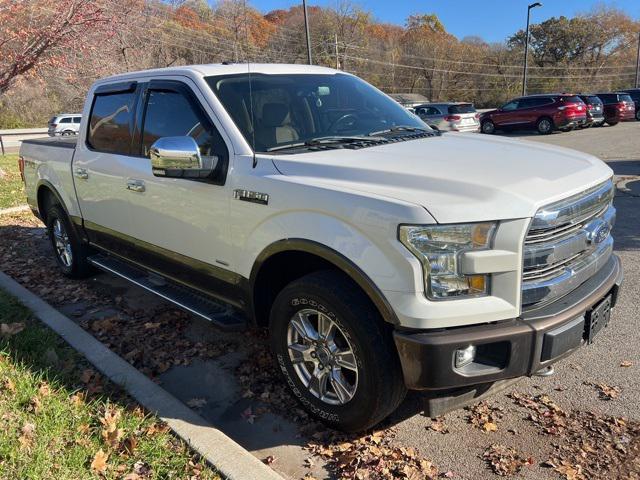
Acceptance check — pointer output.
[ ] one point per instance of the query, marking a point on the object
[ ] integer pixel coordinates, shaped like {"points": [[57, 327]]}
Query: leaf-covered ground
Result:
{"points": [[582, 445], [11, 189], [59, 419]]}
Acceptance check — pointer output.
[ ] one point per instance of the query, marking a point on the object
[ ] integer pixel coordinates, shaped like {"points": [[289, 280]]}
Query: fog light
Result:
{"points": [[464, 356]]}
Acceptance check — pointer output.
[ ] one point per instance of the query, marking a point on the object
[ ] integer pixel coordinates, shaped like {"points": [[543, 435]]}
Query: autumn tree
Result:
{"points": [[35, 33]]}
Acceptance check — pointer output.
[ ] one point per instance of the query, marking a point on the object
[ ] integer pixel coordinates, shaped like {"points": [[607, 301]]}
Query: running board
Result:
{"points": [[219, 314]]}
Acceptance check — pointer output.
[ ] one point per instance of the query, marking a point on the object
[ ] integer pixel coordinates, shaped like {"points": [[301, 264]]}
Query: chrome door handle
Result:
{"points": [[135, 185], [81, 173]]}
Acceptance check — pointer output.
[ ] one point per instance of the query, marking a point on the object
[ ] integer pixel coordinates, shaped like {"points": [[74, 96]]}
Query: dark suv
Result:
{"points": [[595, 110], [618, 107], [634, 93], [545, 113]]}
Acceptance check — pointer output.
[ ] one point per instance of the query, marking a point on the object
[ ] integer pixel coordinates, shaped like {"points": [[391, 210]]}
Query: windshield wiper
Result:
{"points": [[326, 140], [398, 128]]}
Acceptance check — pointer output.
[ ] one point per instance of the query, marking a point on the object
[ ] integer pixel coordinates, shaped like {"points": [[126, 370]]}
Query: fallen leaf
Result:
{"points": [[99, 462], [129, 445], [438, 425], [26, 435], [269, 460], [626, 363], [490, 427], [9, 385], [10, 329]]}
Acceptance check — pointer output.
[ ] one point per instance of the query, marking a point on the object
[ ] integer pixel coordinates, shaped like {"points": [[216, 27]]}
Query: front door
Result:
{"points": [[180, 226]]}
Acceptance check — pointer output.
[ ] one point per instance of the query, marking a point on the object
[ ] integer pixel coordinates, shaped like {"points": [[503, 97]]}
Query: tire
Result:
{"points": [[638, 115], [544, 126], [612, 124], [488, 127], [67, 133], [68, 249], [373, 378]]}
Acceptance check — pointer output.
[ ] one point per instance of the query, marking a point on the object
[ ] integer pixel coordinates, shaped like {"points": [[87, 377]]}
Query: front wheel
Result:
{"points": [[336, 353], [70, 252], [638, 115], [612, 123]]}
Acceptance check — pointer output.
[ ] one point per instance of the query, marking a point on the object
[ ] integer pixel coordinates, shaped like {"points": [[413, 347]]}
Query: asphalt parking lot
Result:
{"points": [[225, 381]]}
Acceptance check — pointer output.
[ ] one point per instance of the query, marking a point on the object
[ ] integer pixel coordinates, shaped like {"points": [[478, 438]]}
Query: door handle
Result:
{"points": [[81, 173], [135, 185]]}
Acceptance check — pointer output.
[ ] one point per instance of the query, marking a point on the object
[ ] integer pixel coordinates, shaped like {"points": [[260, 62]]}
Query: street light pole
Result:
{"points": [[526, 48], [306, 30], [638, 63]]}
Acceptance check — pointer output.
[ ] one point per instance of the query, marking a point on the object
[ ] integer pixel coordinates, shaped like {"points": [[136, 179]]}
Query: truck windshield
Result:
{"points": [[298, 109]]}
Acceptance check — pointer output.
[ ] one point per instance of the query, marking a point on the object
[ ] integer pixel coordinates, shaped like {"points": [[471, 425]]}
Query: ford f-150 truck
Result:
{"points": [[380, 255]]}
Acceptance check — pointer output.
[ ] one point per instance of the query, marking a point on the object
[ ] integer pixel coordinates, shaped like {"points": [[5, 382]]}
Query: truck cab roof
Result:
{"points": [[212, 69]]}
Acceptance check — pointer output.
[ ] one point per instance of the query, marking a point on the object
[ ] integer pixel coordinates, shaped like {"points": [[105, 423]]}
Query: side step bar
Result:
{"points": [[219, 314]]}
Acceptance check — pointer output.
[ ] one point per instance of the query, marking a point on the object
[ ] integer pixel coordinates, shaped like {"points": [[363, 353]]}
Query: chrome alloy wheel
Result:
{"points": [[322, 357], [62, 243]]}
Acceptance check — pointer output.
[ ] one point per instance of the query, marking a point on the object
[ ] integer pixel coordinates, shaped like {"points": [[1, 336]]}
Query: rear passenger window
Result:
{"points": [[171, 114], [66, 120], [109, 125]]}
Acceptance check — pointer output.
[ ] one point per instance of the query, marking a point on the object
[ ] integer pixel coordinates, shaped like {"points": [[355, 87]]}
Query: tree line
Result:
{"points": [[52, 50]]}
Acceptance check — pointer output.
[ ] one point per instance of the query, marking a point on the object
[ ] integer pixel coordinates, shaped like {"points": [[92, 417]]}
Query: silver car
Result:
{"points": [[64, 124], [456, 117]]}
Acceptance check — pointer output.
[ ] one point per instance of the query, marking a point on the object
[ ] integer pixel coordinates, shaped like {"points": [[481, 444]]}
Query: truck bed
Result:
{"points": [[62, 142]]}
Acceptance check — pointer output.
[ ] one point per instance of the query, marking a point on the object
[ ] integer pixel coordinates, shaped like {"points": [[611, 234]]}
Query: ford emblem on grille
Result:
{"points": [[598, 232]]}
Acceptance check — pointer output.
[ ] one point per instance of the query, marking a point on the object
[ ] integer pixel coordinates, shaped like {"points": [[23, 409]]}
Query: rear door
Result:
{"points": [[101, 161]]}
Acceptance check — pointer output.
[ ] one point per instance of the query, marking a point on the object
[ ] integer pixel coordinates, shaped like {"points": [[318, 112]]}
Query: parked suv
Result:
{"points": [[456, 117], [618, 107], [634, 93], [64, 125], [545, 113], [595, 110]]}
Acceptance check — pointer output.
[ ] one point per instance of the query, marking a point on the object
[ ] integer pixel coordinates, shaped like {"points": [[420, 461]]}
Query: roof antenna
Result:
{"points": [[253, 123]]}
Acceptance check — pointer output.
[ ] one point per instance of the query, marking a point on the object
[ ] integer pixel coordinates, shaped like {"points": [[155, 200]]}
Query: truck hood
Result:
{"points": [[456, 177]]}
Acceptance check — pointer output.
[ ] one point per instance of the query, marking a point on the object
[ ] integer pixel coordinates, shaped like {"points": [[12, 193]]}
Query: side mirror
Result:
{"points": [[179, 157]]}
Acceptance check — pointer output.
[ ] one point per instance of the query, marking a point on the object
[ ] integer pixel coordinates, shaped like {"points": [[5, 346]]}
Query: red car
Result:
{"points": [[618, 107], [545, 113]]}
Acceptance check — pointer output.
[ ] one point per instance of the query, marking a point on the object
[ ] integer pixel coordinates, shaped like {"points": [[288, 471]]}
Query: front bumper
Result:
{"points": [[505, 349]]}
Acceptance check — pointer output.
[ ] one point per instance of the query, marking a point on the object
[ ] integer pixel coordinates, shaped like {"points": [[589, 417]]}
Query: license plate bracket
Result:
{"points": [[597, 318]]}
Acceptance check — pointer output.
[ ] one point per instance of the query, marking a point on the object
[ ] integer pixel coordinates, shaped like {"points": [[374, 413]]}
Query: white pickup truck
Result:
{"points": [[381, 255]]}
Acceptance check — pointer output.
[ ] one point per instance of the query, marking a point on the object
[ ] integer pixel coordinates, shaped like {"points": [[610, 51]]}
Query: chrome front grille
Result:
{"points": [[567, 243]]}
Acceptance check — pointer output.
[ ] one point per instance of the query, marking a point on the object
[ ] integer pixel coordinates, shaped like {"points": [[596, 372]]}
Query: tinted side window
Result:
{"points": [[511, 105], [171, 114], [462, 108], [608, 97], [66, 120], [109, 125], [76, 119]]}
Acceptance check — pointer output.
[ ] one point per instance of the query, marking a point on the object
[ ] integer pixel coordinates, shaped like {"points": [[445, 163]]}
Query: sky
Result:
{"points": [[493, 20]]}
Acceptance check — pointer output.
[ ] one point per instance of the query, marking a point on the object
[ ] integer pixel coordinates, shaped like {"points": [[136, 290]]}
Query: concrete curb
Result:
{"points": [[18, 209], [229, 458]]}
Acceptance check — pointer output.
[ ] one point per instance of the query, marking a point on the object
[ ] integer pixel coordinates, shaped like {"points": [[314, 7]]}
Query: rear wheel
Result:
{"points": [[612, 123], [336, 353], [488, 127], [544, 126], [638, 115], [69, 250]]}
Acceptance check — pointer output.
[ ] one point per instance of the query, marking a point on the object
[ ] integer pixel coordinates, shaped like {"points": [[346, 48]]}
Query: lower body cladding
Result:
{"points": [[459, 365]]}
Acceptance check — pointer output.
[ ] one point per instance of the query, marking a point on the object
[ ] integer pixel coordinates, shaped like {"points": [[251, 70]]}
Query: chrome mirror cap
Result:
{"points": [[180, 157]]}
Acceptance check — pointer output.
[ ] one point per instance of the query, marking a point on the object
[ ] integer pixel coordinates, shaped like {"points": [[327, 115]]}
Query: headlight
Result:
{"points": [[438, 247]]}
